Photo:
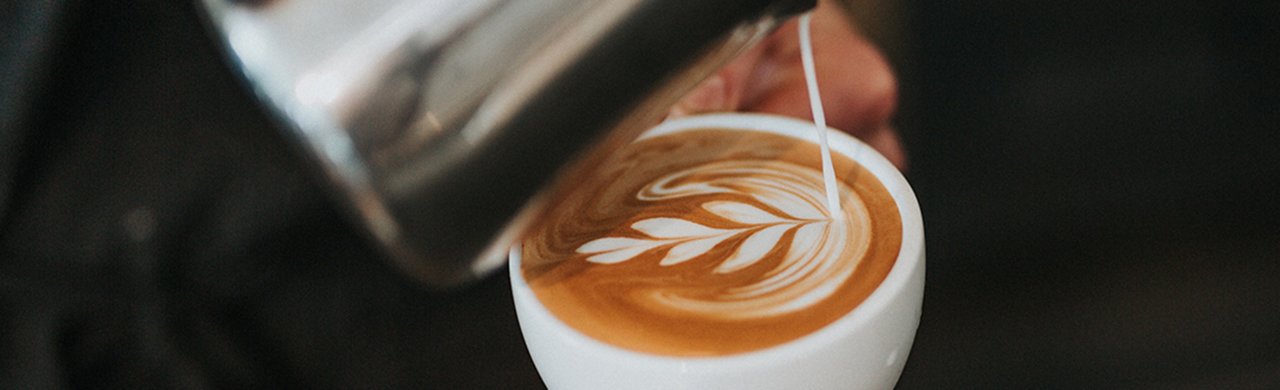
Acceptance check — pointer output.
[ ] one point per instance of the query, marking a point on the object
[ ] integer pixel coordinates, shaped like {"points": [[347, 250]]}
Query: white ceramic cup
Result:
{"points": [[864, 349]]}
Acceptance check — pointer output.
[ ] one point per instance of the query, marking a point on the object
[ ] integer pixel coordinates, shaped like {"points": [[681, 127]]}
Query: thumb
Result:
{"points": [[723, 91]]}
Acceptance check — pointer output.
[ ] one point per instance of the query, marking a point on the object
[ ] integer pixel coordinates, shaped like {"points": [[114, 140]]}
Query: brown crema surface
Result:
{"points": [[658, 302]]}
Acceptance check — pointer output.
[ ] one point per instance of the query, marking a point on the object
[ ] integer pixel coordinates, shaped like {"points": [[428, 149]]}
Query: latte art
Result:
{"points": [[781, 215], [711, 242]]}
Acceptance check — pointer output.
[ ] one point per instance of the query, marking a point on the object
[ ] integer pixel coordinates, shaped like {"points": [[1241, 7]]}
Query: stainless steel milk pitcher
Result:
{"points": [[440, 122]]}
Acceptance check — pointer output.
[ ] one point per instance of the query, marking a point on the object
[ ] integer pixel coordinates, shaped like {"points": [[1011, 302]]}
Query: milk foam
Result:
{"points": [[788, 214], [711, 242]]}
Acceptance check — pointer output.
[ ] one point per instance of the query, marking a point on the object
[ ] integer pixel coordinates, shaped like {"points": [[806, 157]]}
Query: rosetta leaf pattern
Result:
{"points": [[756, 228], [754, 248], [763, 224], [668, 228], [740, 213]]}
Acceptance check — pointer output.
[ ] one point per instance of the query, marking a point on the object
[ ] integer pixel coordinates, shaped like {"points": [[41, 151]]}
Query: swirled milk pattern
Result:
{"points": [[783, 211], [711, 242]]}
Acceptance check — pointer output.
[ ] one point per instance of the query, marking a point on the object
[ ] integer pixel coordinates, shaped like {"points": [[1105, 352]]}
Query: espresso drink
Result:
{"points": [[711, 242]]}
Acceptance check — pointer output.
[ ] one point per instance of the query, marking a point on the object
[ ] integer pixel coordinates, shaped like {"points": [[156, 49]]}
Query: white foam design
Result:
{"points": [[754, 248], [673, 228], [782, 205], [740, 212]]}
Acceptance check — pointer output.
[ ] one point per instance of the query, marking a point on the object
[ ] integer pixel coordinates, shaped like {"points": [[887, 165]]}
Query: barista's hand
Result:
{"points": [[858, 89]]}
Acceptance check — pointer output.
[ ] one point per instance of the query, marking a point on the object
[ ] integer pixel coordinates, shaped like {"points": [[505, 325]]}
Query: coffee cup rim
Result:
{"points": [[910, 255]]}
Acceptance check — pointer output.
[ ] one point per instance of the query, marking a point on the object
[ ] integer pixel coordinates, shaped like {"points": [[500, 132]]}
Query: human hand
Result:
{"points": [[857, 86]]}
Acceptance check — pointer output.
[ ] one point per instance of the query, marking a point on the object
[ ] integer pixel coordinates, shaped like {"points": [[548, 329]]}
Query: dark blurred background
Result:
{"points": [[1099, 182]]}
